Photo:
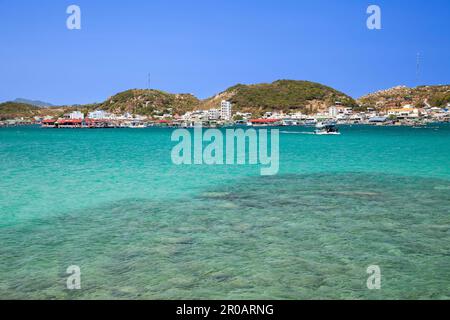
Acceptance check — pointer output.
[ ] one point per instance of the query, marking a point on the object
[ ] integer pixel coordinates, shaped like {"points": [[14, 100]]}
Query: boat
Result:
{"points": [[137, 125], [327, 129], [310, 122], [241, 123]]}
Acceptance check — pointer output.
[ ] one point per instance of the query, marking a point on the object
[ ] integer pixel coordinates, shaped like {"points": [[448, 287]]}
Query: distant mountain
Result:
{"points": [[285, 95], [36, 103], [423, 96]]}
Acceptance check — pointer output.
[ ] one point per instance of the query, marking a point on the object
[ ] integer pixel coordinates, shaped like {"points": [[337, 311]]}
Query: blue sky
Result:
{"points": [[204, 46]]}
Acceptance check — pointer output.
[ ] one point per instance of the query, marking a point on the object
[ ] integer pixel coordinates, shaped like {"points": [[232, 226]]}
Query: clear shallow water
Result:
{"points": [[111, 202]]}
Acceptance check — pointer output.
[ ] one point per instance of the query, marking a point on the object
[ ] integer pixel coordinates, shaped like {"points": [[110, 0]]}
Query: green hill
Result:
{"points": [[10, 110], [148, 102], [285, 95], [434, 96]]}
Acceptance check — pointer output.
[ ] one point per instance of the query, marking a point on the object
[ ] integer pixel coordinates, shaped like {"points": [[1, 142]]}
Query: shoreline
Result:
{"points": [[38, 125]]}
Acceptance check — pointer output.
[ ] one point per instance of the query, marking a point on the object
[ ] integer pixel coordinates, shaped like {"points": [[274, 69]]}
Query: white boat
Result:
{"points": [[137, 125], [326, 129], [310, 122]]}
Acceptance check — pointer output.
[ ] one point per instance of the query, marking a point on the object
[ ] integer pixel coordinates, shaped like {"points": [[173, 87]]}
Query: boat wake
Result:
{"points": [[296, 132]]}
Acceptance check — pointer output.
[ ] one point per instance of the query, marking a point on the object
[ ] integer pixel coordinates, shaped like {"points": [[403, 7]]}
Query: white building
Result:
{"points": [[348, 111], [406, 111], [98, 114], [267, 115], [76, 115], [333, 111], [197, 115], [225, 110], [277, 115], [186, 116], [244, 115], [214, 114]]}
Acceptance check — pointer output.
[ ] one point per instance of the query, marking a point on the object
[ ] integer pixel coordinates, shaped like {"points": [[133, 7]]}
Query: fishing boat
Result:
{"points": [[327, 129]]}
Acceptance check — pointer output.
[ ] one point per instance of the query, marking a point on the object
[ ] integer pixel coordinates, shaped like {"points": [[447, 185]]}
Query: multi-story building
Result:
{"points": [[225, 110], [333, 111], [214, 114]]}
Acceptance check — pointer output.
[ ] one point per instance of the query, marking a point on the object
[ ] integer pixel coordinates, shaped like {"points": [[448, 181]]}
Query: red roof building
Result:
{"points": [[265, 121], [69, 121], [48, 121]]}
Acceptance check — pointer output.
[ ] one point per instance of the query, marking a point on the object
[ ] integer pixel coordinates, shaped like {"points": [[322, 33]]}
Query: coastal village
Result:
{"points": [[223, 115], [281, 103]]}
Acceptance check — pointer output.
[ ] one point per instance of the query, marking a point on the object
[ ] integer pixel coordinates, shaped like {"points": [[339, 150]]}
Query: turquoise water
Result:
{"points": [[139, 227]]}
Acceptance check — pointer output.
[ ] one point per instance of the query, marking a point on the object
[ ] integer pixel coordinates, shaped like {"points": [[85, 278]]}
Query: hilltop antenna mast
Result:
{"points": [[418, 69], [148, 79]]}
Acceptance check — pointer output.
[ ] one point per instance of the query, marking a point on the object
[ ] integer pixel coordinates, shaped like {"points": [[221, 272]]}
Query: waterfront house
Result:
{"points": [[357, 118], [378, 120], [407, 112], [69, 123], [48, 123]]}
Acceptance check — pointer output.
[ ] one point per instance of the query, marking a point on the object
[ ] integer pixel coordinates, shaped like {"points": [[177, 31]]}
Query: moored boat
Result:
{"points": [[137, 125]]}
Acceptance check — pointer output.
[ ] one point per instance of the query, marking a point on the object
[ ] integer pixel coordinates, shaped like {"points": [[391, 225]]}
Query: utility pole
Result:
{"points": [[148, 79]]}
